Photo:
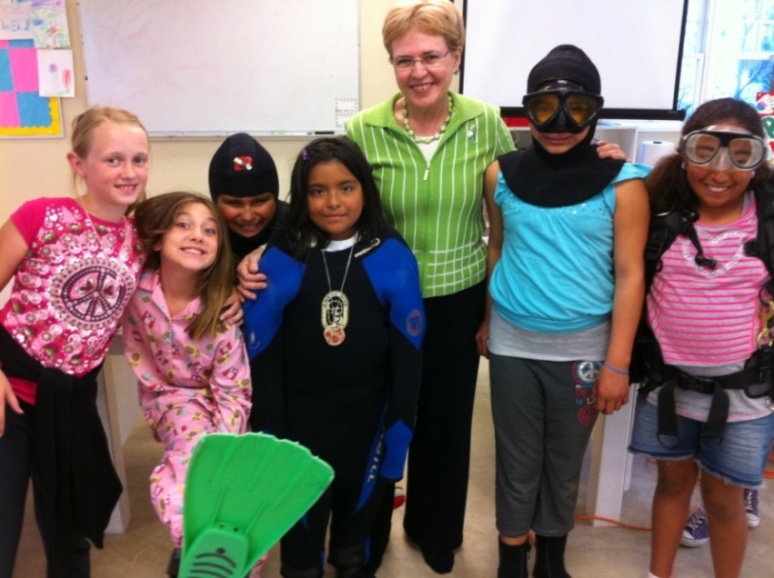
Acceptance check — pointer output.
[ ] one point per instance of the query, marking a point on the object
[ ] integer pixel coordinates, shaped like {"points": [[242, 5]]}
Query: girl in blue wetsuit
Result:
{"points": [[334, 342]]}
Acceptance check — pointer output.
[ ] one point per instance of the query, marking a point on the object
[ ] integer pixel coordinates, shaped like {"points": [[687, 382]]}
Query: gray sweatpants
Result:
{"points": [[542, 422]]}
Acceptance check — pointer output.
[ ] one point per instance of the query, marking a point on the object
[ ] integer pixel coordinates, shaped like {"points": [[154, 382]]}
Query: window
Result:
{"points": [[728, 50]]}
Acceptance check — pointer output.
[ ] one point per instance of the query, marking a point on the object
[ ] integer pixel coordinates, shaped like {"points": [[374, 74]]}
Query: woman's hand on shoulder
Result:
{"points": [[610, 150], [7, 398], [251, 280]]}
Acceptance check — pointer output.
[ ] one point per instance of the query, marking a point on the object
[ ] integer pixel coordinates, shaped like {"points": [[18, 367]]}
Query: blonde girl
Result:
{"points": [[75, 263]]}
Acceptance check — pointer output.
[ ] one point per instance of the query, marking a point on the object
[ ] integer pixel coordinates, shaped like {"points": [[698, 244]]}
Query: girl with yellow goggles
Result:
{"points": [[561, 106]]}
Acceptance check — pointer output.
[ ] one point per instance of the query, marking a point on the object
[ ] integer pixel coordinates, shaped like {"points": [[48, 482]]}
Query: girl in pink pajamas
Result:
{"points": [[193, 373]]}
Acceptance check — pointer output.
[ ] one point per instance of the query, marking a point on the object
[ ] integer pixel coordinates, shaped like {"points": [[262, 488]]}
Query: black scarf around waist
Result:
{"points": [[79, 486]]}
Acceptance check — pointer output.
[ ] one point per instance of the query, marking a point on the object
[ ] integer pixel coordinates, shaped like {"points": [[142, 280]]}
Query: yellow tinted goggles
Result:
{"points": [[579, 108]]}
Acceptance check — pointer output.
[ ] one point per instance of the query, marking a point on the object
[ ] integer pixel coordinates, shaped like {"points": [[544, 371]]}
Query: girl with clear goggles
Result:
{"points": [[723, 148]]}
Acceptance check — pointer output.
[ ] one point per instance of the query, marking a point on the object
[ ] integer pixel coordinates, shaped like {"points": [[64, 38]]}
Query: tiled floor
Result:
{"points": [[593, 552]]}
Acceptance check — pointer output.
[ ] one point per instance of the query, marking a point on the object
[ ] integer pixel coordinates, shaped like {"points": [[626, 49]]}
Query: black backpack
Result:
{"points": [[665, 227], [647, 363]]}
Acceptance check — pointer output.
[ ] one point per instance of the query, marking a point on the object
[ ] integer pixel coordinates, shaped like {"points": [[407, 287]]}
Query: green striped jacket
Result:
{"points": [[436, 206]]}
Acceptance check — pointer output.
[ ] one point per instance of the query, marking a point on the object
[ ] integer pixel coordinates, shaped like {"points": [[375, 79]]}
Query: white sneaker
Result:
{"points": [[752, 508]]}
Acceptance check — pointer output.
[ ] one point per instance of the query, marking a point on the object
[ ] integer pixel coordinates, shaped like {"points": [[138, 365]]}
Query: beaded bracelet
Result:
{"points": [[615, 369]]}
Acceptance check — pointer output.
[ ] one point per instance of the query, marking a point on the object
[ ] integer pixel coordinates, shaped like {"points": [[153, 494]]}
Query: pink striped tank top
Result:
{"points": [[709, 317]]}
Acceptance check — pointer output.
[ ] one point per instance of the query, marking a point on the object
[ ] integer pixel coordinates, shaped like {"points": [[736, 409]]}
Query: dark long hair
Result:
{"points": [[667, 183], [298, 228]]}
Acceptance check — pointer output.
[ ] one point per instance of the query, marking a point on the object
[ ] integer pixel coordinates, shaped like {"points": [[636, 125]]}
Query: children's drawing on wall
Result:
{"points": [[43, 21], [15, 20], [49, 24], [55, 73]]}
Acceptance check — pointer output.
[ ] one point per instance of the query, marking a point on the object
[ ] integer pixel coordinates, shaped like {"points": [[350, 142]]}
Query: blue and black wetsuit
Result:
{"points": [[352, 404]]}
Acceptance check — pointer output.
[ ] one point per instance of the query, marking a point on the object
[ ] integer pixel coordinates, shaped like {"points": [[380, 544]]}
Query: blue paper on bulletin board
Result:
{"points": [[23, 112]]}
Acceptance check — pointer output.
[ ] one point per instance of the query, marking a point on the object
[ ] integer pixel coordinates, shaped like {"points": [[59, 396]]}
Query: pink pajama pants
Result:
{"points": [[179, 434]]}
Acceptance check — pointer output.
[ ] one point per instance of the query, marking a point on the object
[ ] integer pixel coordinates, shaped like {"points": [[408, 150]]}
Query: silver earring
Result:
{"points": [[682, 165]]}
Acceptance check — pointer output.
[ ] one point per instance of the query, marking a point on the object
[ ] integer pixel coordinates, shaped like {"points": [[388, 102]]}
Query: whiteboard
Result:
{"points": [[636, 45], [215, 67]]}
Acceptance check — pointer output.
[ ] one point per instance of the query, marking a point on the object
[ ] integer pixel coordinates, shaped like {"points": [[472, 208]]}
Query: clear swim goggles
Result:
{"points": [[723, 148]]}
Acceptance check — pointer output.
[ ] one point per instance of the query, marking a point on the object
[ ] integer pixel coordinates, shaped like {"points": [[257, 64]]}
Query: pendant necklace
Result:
{"points": [[335, 307]]}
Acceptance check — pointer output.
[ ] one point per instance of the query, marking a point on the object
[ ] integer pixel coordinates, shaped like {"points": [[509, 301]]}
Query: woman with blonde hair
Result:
{"points": [[429, 148]]}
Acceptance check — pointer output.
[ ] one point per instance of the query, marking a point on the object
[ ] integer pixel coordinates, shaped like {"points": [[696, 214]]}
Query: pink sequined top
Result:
{"points": [[70, 291]]}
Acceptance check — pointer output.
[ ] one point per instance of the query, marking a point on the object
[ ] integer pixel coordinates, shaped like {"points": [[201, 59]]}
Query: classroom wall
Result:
{"points": [[34, 167]]}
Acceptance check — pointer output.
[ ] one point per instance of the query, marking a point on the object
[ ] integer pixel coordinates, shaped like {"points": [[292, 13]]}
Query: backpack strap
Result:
{"points": [[755, 379], [763, 245], [664, 229]]}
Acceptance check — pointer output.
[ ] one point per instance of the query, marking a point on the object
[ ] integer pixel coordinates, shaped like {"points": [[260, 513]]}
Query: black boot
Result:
{"points": [[174, 563], [513, 560], [441, 561], [81, 565], [549, 562], [349, 562], [351, 572], [290, 572]]}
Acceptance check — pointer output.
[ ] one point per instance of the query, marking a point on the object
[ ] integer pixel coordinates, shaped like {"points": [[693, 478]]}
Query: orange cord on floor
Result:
{"points": [[616, 522], [767, 473]]}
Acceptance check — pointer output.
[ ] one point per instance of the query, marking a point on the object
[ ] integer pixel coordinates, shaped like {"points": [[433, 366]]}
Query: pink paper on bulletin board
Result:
{"points": [[23, 112]]}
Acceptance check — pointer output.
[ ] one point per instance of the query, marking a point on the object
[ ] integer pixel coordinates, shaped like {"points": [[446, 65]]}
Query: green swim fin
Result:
{"points": [[242, 494]]}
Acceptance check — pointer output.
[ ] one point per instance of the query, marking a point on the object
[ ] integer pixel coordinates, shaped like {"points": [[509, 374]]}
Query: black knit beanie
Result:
{"points": [[241, 167], [565, 62]]}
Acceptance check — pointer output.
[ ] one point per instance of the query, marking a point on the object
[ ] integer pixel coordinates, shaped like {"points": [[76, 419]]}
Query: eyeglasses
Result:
{"points": [[580, 108], [741, 149], [428, 60]]}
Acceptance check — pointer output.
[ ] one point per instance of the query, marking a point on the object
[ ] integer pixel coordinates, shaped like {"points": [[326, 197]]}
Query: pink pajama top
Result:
{"points": [[189, 377]]}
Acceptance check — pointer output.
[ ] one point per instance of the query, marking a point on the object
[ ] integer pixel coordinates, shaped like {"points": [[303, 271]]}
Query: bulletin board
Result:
{"points": [[23, 112], [214, 67]]}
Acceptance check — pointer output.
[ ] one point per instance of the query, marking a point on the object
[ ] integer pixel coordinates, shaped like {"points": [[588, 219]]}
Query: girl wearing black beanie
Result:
{"points": [[566, 283]]}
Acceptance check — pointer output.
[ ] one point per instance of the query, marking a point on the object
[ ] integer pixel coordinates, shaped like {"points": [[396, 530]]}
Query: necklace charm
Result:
{"points": [[335, 306], [335, 316]]}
